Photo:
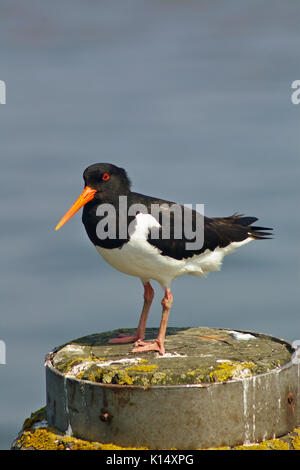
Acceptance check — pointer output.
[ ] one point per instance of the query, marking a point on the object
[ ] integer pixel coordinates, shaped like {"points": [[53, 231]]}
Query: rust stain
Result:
{"points": [[213, 337], [105, 416], [290, 398], [291, 409]]}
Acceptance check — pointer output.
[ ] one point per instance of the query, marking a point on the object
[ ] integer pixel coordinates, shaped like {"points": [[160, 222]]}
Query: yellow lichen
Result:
{"points": [[43, 439], [143, 368], [296, 439], [114, 376], [217, 448], [47, 438], [231, 370], [124, 378], [66, 367], [50, 439], [196, 375], [272, 444]]}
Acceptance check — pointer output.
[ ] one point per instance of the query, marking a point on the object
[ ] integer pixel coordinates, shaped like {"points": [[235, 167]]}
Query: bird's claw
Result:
{"points": [[141, 346]]}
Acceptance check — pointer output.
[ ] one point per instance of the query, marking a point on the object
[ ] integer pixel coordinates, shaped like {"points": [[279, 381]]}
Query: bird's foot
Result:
{"points": [[122, 338], [141, 346]]}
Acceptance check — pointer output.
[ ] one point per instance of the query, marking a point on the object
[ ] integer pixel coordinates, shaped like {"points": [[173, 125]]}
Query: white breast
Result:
{"points": [[139, 258]]}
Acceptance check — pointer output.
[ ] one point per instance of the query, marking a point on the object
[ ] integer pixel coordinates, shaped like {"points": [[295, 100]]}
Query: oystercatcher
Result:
{"points": [[135, 242]]}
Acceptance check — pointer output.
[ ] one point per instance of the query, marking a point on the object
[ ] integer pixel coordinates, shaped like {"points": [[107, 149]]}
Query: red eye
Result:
{"points": [[105, 176]]}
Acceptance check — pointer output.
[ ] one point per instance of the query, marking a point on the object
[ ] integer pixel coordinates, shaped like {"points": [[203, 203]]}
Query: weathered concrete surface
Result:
{"points": [[194, 355], [213, 388], [37, 435]]}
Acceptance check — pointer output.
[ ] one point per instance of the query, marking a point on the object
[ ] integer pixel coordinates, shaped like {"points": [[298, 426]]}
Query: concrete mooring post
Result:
{"points": [[213, 388]]}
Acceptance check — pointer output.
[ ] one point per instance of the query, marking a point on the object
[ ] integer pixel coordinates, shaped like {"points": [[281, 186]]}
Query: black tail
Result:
{"points": [[259, 233]]}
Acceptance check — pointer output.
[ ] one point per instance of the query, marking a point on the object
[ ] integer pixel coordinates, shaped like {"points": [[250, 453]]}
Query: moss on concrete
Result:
{"points": [[194, 355]]}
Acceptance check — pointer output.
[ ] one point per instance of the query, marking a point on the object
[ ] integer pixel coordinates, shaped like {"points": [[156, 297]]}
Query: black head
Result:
{"points": [[104, 182], [107, 180]]}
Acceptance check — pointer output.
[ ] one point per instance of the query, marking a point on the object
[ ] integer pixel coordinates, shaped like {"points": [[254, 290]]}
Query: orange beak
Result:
{"points": [[86, 196]]}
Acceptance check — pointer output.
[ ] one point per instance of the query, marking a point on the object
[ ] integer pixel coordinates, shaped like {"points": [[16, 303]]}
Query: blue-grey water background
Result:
{"points": [[194, 100]]}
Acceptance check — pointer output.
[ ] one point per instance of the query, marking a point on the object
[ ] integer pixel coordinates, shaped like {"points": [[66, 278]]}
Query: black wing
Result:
{"points": [[216, 232]]}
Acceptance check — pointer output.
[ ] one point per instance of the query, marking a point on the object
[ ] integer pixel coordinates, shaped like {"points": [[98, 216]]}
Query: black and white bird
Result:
{"points": [[136, 244]]}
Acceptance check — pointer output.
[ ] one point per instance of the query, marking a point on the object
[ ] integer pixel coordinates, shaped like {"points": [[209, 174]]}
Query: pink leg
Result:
{"points": [[158, 344], [140, 332]]}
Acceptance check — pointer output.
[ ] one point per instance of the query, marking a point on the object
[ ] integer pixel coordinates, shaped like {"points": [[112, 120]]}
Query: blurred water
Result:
{"points": [[193, 99]]}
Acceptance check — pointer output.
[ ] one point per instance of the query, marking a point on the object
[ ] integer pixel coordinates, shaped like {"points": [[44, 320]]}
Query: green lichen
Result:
{"points": [[158, 378], [35, 417]]}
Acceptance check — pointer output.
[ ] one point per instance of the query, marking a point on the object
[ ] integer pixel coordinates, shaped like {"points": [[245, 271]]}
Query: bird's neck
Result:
{"points": [[103, 210]]}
